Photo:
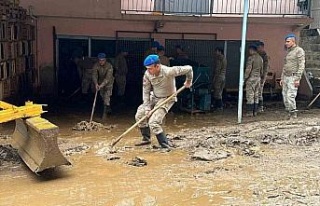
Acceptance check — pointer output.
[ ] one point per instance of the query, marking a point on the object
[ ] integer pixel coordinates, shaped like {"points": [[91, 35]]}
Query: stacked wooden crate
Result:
{"points": [[17, 37]]}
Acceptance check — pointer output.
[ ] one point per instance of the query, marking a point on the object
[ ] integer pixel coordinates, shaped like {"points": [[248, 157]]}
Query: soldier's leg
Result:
{"points": [[261, 106], [121, 84], [144, 126], [155, 122], [106, 94], [285, 84], [257, 87], [250, 98], [291, 96]]}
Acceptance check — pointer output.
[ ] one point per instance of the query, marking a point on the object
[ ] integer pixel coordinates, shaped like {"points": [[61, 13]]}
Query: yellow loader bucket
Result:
{"points": [[36, 141]]}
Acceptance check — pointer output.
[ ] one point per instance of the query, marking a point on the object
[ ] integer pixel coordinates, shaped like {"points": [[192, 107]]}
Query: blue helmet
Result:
{"points": [[102, 56], [290, 36], [151, 59]]}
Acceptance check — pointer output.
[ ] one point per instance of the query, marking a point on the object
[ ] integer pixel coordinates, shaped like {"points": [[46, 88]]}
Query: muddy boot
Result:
{"points": [[145, 131], [260, 106], [249, 110], [293, 114], [106, 111], [255, 109], [163, 141]]}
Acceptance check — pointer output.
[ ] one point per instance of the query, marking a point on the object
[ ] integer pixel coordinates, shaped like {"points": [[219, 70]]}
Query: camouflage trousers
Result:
{"points": [[252, 90], [105, 94], [218, 86], [121, 84], [261, 90], [289, 93], [156, 119]]}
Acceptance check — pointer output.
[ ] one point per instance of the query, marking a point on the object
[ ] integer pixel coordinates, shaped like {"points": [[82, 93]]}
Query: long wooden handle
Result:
{"points": [[309, 105], [94, 105], [146, 116]]}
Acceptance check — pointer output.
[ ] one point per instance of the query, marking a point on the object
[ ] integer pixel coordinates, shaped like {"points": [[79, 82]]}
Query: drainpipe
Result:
{"points": [[243, 49]]}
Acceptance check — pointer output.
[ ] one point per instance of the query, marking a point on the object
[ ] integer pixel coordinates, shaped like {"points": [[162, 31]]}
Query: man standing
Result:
{"points": [[158, 84], [219, 77], [102, 78], [293, 69], [121, 70], [164, 60], [265, 59], [253, 74]]}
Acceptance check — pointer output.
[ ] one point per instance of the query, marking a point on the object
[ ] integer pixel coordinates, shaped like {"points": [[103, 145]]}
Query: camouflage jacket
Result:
{"points": [[103, 75], [221, 67], [164, 84], [120, 66], [294, 63], [254, 68], [265, 59]]}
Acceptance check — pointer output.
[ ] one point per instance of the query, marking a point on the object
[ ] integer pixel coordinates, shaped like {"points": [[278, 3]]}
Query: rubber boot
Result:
{"points": [[249, 110], [293, 114], [145, 132], [219, 105], [106, 111], [260, 106], [163, 141], [255, 109]]}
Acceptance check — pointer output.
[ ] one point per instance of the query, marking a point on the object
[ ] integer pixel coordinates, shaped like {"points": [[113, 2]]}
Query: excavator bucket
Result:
{"points": [[36, 141]]}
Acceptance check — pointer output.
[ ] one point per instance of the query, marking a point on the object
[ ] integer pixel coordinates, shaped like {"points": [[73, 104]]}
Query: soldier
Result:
{"points": [[219, 77], [164, 60], [153, 49], [253, 74], [293, 69], [102, 77], [121, 70], [265, 58], [158, 84]]}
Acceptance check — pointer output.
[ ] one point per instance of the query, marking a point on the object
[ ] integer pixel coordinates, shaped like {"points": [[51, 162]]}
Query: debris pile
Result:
{"points": [[91, 126], [80, 149], [138, 162], [9, 154]]}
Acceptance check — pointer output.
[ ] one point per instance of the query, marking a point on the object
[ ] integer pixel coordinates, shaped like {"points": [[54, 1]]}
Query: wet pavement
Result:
{"points": [[267, 160]]}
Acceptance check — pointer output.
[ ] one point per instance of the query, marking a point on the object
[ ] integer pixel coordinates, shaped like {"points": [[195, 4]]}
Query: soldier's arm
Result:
{"points": [[223, 69], [301, 64], [109, 76], [182, 70], [265, 66], [95, 75], [146, 89], [248, 68], [218, 68]]}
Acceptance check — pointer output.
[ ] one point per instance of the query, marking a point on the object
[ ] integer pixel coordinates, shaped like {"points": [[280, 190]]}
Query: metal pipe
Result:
{"points": [[243, 49]]}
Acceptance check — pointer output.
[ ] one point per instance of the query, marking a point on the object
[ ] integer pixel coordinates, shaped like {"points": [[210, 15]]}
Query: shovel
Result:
{"points": [[311, 103], [94, 105], [146, 116]]}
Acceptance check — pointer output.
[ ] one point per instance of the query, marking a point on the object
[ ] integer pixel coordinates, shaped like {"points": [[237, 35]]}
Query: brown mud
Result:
{"points": [[266, 160]]}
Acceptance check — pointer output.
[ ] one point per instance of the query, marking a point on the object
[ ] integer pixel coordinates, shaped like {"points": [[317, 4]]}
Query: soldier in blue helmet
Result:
{"points": [[102, 78], [293, 69], [158, 84]]}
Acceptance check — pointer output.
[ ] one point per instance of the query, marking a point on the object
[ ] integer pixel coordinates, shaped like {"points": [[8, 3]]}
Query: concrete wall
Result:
{"points": [[103, 18], [315, 13]]}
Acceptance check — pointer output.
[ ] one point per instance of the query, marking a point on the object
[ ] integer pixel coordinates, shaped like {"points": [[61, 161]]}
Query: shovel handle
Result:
{"points": [[146, 116], [309, 105], [93, 105]]}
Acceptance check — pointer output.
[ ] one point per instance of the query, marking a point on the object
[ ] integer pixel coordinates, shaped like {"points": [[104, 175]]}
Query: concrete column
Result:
{"points": [[315, 13]]}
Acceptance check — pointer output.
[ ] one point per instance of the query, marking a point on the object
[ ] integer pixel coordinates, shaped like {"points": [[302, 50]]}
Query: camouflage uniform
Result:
{"points": [[253, 74], [121, 70], [103, 75], [292, 71], [265, 58], [155, 90], [219, 78], [86, 66]]}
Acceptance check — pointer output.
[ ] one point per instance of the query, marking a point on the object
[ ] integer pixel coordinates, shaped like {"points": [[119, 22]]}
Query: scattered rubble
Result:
{"points": [[9, 154], [138, 162], [91, 126], [80, 149]]}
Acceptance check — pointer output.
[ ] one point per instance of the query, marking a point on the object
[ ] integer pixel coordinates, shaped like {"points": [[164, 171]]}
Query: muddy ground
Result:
{"points": [[266, 160]]}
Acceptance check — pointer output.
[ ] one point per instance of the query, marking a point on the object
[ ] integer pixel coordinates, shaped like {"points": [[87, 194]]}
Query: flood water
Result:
{"points": [[169, 178]]}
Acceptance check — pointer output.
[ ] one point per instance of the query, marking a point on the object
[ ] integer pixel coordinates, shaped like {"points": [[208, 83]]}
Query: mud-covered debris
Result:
{"points": [[216, 169], [3, 136], [110, 157], [105, 151], [9, 154], [209, 155], [138, 162], [80, 149], [91, 126]]}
